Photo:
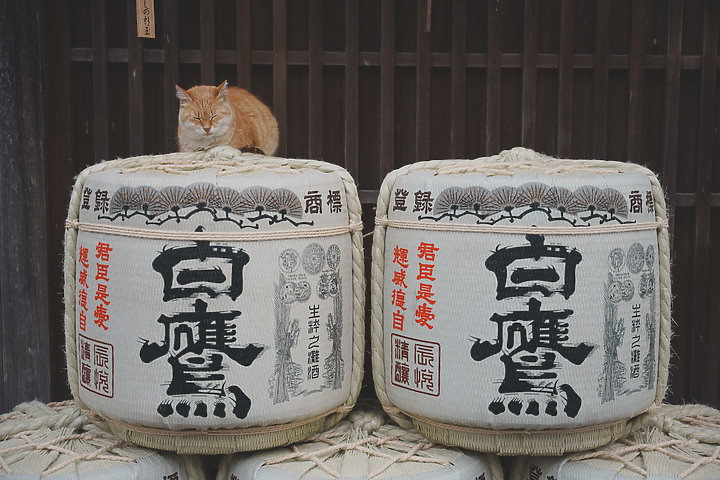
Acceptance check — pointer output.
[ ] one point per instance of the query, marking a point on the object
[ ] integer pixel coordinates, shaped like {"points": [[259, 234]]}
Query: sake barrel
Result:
{"points": [[214, 299], [673, 442], [363, 446], [58, 442], [520, 303]]}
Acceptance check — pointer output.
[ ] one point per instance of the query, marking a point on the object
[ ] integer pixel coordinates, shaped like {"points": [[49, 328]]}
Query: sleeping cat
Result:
{"points": [[224, 115]]}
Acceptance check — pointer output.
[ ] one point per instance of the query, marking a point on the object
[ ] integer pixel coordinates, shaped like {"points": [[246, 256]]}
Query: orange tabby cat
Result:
{"points": [[224, 115]]}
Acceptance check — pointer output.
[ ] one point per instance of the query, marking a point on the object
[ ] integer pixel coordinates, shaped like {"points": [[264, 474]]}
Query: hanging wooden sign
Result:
{"points": [[145, 12]]}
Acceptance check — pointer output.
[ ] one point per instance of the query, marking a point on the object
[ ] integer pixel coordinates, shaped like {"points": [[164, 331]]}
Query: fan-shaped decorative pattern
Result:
{"points": [[227, 199], [148, 200], [479, 199], [536, 193], [257, 199], [123, 200], [288, 203], [563, 199], [173, 198], [591, 198], [615, 202], [506, 198], [450, 200], [200, 194]]}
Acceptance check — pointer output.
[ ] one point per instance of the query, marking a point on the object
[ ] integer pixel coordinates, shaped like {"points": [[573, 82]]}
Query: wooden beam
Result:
{"points": [[24, 344]]}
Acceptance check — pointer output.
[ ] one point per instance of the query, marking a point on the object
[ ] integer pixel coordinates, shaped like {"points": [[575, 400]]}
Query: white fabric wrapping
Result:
{"points": [[671, 443], [520, 303], [365, 446], [58, 442], [214, 300], [217, 333], [515, 329]]}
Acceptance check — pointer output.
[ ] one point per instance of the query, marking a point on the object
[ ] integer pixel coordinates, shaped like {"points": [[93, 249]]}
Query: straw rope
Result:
{"points": [[692, 421], [520, 442], [34, 429], [505, 164], [227, 160], [212, 236], [523, 229], [41, 439], [367, 434], [689, 434]]}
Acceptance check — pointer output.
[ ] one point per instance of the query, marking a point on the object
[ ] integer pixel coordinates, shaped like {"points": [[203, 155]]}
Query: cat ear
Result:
{"points": [[182, 95], [221, 90]]}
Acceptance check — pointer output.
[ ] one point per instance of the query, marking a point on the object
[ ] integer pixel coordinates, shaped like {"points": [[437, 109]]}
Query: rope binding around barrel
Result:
{"points": [[520, 304], [170, 258], [58, 440]]}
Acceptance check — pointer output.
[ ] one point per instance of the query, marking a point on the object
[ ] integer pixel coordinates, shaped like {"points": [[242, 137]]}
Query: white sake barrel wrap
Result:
{"points": [[363, 446], [58, 442], [672, 442], [520, 293], [215, 291]]}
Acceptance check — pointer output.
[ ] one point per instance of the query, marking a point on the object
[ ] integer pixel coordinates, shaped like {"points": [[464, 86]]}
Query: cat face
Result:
{"points": [[205, 115]]}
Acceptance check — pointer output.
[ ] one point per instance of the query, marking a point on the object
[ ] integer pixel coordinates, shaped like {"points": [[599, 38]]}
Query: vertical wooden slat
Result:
{"points": [[565, 77], [492, 141], [422, 83], [243, 60], [135, 84], [672, 104], [387, 87], [705, 332], [352, 85], [601, 80], [315, 80], [458, 79], [529, 88], [170, 69], [637, 51], [280, 71], [24, 345], [207, 43], [100, 67], [60, 168]]}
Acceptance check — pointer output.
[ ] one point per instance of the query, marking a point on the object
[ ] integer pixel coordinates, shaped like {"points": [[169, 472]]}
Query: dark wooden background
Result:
{"points": [[370, 85]]}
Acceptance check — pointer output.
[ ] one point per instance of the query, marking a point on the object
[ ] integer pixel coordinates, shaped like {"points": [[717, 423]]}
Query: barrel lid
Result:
{"points": [[57, 441], [365, 445]]}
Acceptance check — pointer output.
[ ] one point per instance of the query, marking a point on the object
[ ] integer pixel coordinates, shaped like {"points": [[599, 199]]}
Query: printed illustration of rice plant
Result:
{"points": [[334, 364], [613, 375], [286, 378]]}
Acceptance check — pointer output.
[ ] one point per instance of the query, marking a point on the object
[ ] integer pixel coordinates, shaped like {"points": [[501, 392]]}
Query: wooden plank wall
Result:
{"points": [[377, 84], [24, 342]]}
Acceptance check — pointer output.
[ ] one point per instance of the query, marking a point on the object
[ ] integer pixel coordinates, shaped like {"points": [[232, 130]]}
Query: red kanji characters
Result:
{"points": [[398, 321], [101, 316], [427, 251], [400, 256], [83, 255], [424, 315], [425, 293], [426, 271], [102, 294], [102, 251], [399, 278], [398, 299]]}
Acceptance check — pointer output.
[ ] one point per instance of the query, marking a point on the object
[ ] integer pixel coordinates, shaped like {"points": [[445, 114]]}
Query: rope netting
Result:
{"points": [[367, 445], [679, 440], [45, 439]]}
